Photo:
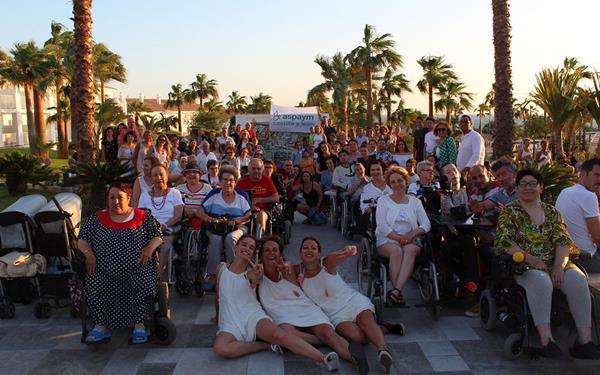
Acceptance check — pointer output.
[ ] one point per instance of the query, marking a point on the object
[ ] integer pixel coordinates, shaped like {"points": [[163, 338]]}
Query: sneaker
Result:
{"points": [[385, 360], [473, 312], [332, 362], [585, 351], [357, 351], [471, 287], [551, 350]]}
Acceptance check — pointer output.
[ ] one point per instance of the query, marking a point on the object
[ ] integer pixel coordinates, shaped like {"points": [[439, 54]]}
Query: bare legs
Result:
{"points": [[365, 329], [402, 261]]}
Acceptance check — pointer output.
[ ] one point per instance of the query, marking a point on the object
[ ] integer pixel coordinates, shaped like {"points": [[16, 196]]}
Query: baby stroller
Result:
{"points": [[57, 225], [17, 273]]}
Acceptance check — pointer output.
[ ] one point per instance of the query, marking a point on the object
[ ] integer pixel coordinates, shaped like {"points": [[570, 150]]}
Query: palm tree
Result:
{"points": [[453, 98], [56, 49], [108, 113], [236, 103], [203, 88], [259, 104], [503, 83], [392, 85], [338, 78], [165, 122], [107, 67], [592, 103], [136, 108], [435, 72], [150, 122], [177, 97], [481, 111], [213, 105], [82, 86], [555, 93], [376, 53]]}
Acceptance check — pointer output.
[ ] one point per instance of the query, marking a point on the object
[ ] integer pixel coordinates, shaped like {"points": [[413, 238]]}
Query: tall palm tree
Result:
{"points": [[56, 49], [435, 72], [453, 98], [260, 103], [503, 111], [107, 67], [376, 53], [177, 97], [213, 105], [236, 103], [338, 78], [555, 93], [136, 108], [592, 103], [108, 113], [203, 88], [393, 84], [82, 86]]}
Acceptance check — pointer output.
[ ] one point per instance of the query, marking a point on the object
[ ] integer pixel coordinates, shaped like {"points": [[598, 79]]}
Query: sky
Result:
{"points": [[270, 46]]}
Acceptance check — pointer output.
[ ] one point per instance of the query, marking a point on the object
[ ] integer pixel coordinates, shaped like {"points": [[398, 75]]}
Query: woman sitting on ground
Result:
{"points": [[307, 163], [241, 318], [311, 198], [536, 230], [401, 219], [119, 244], [351, 313], [143, 183], [288, 306], [166, 206]]}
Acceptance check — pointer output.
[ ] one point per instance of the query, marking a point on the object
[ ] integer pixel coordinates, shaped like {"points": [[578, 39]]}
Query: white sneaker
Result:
{"points": [[332, 362]]}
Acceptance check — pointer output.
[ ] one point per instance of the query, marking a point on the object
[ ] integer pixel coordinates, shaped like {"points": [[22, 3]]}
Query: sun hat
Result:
{"points": [[191, 167]]}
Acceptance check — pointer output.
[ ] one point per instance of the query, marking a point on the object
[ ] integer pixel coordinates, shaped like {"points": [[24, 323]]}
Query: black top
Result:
{"points": [[311, 197], [110, 150], [419, 142]]}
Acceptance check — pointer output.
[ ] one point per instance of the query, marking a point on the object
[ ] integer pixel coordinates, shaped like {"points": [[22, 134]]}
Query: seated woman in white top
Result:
{"points": [[143, 183], [352, 314], [241, 318], [166, 206], [288, 306], [401, 219]]}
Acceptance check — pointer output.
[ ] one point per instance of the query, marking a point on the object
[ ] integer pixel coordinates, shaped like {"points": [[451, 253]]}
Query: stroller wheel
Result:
{"points": [[41, 310], [165, 331], [513, 346]]}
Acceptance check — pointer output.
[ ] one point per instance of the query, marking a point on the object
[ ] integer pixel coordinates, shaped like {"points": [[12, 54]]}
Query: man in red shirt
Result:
{"points": [[263, 193]]}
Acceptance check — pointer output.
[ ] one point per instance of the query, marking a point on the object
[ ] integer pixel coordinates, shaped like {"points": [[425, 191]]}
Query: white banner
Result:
{"points": [[292, 119]]}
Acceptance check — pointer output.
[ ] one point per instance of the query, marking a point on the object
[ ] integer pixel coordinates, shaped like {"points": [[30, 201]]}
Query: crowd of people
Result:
{"points": [[223, 182]]}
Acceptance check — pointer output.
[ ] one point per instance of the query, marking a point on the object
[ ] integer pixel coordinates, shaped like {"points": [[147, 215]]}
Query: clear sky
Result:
{"points": [[270, 46]]}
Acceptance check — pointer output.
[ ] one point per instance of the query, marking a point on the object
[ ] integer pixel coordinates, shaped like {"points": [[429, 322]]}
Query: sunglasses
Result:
{"points": [[441, 130]]}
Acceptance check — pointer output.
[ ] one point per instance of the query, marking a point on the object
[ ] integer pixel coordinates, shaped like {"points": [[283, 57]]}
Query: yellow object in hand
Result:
{"points": [[518, 257]]}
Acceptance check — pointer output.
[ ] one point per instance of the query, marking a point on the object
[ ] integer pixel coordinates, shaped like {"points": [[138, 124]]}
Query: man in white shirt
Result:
{"points": [[578, 206], [224, 138], [472, 146], [430, 137], [361, 137], [204, 155], [343, 173]]}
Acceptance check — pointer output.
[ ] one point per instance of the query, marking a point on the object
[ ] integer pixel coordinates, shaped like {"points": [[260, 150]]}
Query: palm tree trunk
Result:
{"points": [[480, 120], [369, 97], [178, 119], [102, 91], [448, 117], [61, 128], [430, 89], [557, 142], [82, 97], [31, 135], [503, 84], [345, 113], [39, 124]]}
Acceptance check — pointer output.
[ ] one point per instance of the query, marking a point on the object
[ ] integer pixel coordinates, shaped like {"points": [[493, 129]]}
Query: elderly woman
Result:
{"points": [[194, 191], [166, 206], [536, 230], [119, 244], [224, 204], [401, 219]]}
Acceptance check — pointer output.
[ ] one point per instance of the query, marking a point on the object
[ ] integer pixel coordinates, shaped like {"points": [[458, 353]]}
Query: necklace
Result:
{"points": [[160, 204]]}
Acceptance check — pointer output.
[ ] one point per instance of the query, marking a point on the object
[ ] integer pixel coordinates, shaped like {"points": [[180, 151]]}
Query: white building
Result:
{"points": [[157, 106]]}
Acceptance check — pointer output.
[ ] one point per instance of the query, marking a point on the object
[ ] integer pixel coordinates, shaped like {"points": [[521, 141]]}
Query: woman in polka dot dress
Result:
{"points": [[119, 246]]}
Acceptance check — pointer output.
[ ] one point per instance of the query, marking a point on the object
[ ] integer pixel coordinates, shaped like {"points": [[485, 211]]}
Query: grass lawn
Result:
{"points": [[6, 200]]}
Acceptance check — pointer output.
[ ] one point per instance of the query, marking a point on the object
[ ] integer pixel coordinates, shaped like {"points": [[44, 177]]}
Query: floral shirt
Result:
{"points": [[446, 151], [385, 155], [515, 228]]}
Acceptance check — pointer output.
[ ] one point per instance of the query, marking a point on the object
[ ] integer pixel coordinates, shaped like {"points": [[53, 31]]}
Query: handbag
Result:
{"points": [[221, 228]]}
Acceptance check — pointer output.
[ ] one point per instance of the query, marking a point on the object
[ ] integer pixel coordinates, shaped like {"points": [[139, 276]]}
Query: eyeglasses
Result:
{"points": [[441, 130], [426, 170], [530, 184]]}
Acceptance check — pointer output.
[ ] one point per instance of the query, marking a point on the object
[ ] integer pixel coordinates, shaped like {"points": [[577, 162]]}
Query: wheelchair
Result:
{"points": [[504, 303], [161, 328], [189, 260]]}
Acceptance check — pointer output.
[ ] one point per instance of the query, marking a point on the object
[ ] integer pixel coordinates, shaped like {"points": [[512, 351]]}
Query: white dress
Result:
{"points": [[337, 299], [287, 303], [239, 311], [144, 187]]}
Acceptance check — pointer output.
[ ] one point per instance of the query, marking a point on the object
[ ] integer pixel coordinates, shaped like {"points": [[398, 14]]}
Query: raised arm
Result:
{"points": [[336, 258]]}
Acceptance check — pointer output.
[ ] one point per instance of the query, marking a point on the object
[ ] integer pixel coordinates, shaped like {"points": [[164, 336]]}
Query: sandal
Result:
{"points": [[385, 359], [276, 349], [97, 335], [394, 328], [139, 336], [395, 299]]}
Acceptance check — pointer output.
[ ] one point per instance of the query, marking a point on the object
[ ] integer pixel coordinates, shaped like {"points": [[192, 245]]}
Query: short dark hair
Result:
{"points": [[272, 238], [419, 118], [211, 163], [588, 165], [342, 152], [503, 163], [133, 133], [430, 119], [311, 238], [529, 172]]}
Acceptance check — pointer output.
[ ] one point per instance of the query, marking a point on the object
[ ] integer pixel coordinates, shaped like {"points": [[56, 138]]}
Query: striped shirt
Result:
{"points": [[194, 199], [215, 206]]}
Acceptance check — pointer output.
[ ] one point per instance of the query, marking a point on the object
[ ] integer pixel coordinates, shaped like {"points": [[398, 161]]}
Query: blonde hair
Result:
{"points": [[396, 170]]}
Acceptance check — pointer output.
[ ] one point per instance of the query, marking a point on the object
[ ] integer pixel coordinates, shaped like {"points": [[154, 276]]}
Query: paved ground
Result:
{"points": [[454, 344]]}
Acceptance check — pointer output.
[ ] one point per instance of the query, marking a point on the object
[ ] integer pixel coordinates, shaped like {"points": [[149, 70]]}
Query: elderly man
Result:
{"points": [[505, 172], [578, 206], [483, 187], [205, 155], [426, 189], [472, 146], [263, 192]]}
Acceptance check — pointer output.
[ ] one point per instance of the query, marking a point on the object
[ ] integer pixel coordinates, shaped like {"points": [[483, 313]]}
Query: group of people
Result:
{"points": [[222, 183]]}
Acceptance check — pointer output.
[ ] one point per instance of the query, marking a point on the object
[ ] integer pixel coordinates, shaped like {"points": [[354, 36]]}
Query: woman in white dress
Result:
{"points": [[288, 306], [127, 148], [143, 183], [242, 320], [352, 314], [162, 150]]}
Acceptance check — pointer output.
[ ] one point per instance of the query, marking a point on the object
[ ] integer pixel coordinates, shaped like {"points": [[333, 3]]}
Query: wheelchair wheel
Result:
{"points": [[488, 310], [183, 288], [428, 287], [287, 230], [344, 219], [164, 331], [513, 346], [378, 299], [163, 301], [7, 310], [363, 265]]}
